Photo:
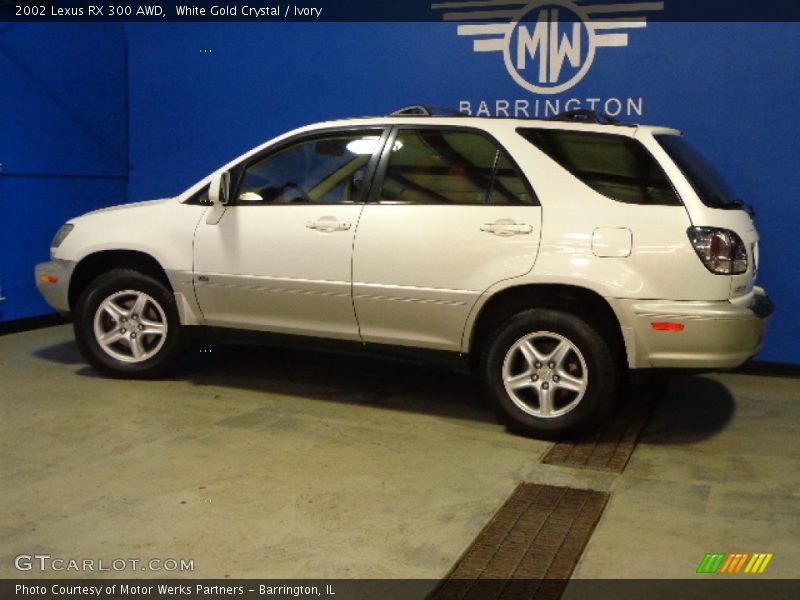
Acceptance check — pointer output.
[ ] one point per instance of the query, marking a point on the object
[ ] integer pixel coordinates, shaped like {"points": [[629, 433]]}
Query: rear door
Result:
{"points": [[449, 216]]}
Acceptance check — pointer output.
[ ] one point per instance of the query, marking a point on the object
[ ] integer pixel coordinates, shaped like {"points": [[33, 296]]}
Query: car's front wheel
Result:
{"points": [[550, 373], [127, 325]]}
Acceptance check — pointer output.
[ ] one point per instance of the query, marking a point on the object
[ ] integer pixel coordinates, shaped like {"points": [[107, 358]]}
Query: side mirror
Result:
{"points": [[219, 189], [219, 193]]}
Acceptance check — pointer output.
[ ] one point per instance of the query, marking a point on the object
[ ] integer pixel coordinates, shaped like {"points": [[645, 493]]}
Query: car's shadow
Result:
{"points": [[65, 353], [330, 377], [691, 407]]}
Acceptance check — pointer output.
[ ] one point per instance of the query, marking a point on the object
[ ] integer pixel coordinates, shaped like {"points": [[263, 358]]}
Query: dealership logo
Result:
{"points": [[715, 563], [548, 46]]}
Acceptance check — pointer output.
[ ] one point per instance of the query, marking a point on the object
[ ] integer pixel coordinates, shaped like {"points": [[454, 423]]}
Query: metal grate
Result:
{"points": [[529, 548], [610, 447]]}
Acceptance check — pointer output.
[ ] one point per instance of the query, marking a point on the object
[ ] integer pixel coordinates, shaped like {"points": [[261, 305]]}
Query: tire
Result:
{"points": [[549, 373], [127, 325]]}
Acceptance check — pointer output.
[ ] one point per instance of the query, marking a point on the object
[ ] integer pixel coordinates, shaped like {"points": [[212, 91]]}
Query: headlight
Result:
{"points": [[61, 235]]}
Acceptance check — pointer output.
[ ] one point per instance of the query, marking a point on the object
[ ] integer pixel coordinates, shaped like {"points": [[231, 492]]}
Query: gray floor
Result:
{"points": [[267, 463]]}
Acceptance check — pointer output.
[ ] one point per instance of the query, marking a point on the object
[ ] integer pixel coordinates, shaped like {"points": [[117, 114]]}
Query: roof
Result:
{"points": [[581, 120]]}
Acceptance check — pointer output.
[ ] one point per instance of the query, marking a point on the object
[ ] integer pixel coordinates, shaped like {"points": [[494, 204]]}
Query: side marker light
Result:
{"points": [[667, 326]]}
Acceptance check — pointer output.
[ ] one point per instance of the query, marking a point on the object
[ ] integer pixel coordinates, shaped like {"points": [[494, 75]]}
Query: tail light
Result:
{"points": [[721, 250]]}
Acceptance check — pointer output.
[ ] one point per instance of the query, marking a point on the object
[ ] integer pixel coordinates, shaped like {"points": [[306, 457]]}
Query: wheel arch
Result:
{"points": [[580, 301], [93, 265]]}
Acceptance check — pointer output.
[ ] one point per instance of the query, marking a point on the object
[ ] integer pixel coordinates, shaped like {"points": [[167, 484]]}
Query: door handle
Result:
{"points": [[329, 225], [506, 227]]}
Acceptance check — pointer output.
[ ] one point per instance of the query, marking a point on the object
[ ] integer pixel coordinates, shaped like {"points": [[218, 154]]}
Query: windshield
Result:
{"points": [[713, 190]]}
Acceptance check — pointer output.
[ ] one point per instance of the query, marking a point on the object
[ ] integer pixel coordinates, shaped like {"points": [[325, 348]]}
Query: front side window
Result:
{"points": [[441, 166], [200, 197], [616, 166], [325, 169]]}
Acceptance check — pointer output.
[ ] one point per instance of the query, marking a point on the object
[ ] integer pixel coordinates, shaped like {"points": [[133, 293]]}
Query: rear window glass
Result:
{"points": [[712, 188], [616, 166]]}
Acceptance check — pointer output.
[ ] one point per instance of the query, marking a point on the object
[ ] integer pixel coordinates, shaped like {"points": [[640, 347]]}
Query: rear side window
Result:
{"points": [[617, 166], [441, 166], [712, 188]]}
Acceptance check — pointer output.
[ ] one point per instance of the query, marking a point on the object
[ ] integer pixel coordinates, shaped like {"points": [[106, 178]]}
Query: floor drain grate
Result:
{"points": [[529, 548], [610, 447]]}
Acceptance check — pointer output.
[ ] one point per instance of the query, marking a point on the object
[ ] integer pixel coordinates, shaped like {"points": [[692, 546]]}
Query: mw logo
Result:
{"points": [[544, 41], [548, 46]]}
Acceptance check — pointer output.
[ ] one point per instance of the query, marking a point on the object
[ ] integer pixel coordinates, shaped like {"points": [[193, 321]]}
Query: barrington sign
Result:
{"points": [[547, 48]]}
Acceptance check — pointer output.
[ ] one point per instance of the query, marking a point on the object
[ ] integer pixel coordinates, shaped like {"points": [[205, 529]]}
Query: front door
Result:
{"points": [[279, 259]]}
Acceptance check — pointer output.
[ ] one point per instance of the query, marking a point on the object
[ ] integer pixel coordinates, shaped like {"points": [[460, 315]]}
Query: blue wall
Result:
{"points": [[730, 87], [63, 142], [201, 93]]}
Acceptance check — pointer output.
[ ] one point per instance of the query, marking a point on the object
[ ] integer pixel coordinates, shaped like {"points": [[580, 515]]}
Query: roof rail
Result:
{"points": [[424, 110], [583, 115]]}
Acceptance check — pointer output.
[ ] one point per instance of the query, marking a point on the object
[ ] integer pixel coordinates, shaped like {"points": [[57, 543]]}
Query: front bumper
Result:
{"points": [[714, 335], [52, 281]]}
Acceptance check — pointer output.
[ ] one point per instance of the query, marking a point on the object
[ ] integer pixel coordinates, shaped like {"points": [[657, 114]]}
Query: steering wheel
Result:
{"points": [[302, 196]]}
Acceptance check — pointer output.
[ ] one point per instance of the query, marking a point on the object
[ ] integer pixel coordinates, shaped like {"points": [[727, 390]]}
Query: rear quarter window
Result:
{"points": [[616, 166], [709, 184]]}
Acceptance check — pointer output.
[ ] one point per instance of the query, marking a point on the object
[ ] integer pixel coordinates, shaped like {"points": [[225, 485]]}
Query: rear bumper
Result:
{"points": [[52, 281], [714, 334]]}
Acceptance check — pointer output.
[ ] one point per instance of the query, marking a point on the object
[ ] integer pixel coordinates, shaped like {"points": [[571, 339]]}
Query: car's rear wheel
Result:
{"points": [[550, 373], [127, 325]]}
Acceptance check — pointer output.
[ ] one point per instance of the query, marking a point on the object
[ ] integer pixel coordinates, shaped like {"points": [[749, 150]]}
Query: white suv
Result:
{"points": [[548, 256]]}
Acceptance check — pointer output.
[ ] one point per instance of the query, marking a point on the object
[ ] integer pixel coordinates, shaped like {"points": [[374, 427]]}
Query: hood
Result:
{"points": [[129, 206]]}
